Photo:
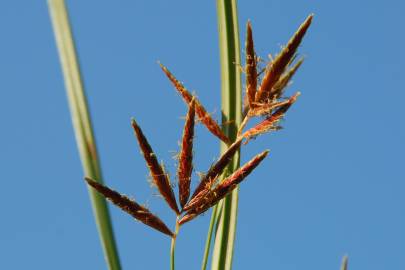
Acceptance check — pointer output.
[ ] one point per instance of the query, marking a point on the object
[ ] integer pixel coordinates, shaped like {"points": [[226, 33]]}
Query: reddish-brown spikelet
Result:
{"points": [[131, 207], [209, 179], [278, 65], [282, 83], [203, 116], [160, 178], [251, 67], [186, 156], [223, 189], [266, 108], [270, 122]]}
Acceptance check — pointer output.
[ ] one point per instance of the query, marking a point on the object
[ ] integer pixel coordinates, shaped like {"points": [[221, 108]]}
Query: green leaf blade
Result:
{"points": [[231, 104], [82, 126]]}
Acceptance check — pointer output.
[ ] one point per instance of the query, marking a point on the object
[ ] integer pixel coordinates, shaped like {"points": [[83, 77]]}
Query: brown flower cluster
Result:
{"points": [[267, 100], [264, 98]]}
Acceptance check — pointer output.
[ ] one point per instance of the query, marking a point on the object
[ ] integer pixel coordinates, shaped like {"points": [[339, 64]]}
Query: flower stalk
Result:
{"points": [[173, 245]]}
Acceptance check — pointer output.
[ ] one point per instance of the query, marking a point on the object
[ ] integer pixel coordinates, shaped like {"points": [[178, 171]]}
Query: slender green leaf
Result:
{"points": [[209, 238], [82, 126], [231, 93]]}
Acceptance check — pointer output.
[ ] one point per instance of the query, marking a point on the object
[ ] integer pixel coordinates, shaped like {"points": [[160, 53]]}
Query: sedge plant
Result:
{"points": [[264, 99]]}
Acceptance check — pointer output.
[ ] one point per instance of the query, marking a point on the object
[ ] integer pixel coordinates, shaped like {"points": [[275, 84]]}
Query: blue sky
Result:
{"points": [[333, 183]]}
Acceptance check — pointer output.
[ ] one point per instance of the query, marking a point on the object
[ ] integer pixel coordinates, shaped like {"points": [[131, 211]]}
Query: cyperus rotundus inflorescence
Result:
{"points": [[264, 98]]}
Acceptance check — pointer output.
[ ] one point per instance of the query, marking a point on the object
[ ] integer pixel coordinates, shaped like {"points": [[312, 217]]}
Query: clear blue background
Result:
{"points": [[333, 184]]}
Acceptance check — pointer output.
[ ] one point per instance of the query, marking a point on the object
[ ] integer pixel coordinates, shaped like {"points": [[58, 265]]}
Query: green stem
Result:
{"points": [[82, 126], [231, 93], [215, 212], [173, 245]]}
